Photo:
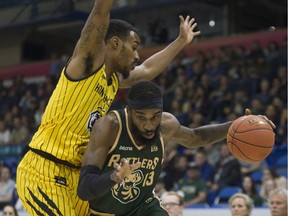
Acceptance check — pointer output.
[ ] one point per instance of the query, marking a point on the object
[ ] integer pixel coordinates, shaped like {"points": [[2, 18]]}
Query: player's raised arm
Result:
{"points": [[157, 63], [89, 52]]}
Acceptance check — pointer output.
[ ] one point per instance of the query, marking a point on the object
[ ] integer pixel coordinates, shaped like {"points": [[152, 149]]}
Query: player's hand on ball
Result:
{"points": [[123, 170], [247, 112]]}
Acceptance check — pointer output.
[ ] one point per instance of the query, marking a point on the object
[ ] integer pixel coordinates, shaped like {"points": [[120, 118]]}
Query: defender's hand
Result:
{"points": [[187, 27]]}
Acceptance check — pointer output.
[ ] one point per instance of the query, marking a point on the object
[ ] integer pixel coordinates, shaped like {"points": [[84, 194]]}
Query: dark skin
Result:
{"points": [[121, 55], [106, 129]]}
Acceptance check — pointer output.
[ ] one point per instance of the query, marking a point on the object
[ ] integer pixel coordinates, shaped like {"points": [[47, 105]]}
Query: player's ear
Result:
{"points": [[115, 42]]}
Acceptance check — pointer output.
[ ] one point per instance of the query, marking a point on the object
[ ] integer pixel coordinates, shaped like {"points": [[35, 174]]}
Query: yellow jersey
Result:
{"points": [[70, 113]]}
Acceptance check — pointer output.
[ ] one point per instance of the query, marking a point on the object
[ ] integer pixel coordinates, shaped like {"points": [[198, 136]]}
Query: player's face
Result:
{"points": [[145, 124], [239, 208], [172, 205], [278, 205], [128, 56]]}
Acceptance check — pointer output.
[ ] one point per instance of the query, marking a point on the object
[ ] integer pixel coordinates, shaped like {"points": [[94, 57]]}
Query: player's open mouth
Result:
{"points": [[149, 135]]}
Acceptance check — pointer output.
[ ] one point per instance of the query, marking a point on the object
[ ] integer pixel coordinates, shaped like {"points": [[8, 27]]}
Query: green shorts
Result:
{"points": [[152, 208]]}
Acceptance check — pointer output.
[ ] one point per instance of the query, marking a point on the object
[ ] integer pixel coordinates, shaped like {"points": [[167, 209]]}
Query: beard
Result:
{"points": [[140, 139], [125, 74]]}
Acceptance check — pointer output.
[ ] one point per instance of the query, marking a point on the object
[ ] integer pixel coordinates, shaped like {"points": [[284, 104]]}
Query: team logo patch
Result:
{"points": [[154, 148], [94, 116]]}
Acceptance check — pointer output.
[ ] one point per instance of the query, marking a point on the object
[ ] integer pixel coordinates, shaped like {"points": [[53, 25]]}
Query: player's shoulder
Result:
{"points": [[169, 122], [168, 118], [110, 120]]}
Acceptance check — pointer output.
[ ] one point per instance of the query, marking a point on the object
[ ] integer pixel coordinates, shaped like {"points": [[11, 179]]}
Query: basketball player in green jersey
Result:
{"points": [[47, 176], [123, 159]]}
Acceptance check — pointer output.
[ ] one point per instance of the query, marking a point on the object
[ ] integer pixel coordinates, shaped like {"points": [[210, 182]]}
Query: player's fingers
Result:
{"points": [[181, 19], [269, 121], [247, 112], [123, 161], [116, 166], [135, 166], [193, 26], [187, 18], [191, 21]]}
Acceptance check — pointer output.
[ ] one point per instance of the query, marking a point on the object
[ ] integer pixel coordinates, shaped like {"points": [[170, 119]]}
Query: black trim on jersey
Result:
{"points": [[92, 183], [53, 158], [85, 77]]}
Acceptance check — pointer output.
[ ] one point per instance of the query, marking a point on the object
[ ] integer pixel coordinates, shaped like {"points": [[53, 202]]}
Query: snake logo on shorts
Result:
{"points": [[128, 191]]}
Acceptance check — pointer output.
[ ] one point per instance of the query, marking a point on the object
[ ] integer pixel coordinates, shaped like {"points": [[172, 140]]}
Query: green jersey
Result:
{"points": [[138, 187]]}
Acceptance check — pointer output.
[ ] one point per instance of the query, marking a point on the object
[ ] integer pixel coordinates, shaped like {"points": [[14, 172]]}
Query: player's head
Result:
{"points": [[145, 105], [123, 40], [173, 203], [278, 202], [241, 204]]}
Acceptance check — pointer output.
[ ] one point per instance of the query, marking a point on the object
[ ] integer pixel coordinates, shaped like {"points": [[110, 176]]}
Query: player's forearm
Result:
{"points": [[92, 184], [99, 15], [103, 6], [211, 134], [157, 63]]}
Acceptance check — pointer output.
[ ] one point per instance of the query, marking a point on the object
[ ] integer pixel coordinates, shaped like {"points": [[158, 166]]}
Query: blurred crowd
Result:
{"points": [[210, 87]]}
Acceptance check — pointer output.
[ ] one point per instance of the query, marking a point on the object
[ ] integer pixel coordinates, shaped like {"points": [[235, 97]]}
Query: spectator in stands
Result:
{"points": [[4, 133], [173, 203], [160, 190], [7, 186], [20, 133], [248, 168], [9, 210], [193, 187], [226, 172], [240, 205], [39, 112], [271, 180], [206, 169], [278, 202], [212, 152], [266, 188], [249, 188], [176, 171]]}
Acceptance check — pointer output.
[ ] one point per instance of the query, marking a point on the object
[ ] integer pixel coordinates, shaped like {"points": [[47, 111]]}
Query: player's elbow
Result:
{"points": [[83, 190]]}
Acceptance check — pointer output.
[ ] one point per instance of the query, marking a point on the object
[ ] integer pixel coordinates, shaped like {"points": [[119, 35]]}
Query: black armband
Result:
{"points": [[92, 183]]}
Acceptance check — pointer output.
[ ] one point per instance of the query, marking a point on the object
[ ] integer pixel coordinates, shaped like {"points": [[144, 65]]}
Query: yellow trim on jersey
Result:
{"points": [[129, 132], [100, 213]]}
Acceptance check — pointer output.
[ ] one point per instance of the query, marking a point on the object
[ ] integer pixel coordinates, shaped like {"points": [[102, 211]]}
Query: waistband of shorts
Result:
{"points": [[53, 158]]}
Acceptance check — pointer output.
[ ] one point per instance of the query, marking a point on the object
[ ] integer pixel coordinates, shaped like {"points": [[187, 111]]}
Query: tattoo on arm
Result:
{"points": [[88, 36]]}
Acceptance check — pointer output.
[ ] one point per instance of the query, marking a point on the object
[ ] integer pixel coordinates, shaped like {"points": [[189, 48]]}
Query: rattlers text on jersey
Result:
{"points": [[138, 187]]}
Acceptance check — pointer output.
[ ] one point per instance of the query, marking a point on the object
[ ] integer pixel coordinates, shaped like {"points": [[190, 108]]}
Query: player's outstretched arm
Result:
{"points": [[89, 52], [172, 131], [157, 63]]}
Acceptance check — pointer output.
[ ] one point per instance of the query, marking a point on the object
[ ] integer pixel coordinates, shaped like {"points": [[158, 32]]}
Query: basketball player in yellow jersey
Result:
{"points": [[104, 57]]}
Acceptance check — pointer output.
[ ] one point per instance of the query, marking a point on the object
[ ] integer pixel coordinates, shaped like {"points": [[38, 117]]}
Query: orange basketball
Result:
{"points": [[250, 138]]}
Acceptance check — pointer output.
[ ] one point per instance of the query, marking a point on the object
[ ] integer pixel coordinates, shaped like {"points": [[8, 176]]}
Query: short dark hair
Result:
{"points": [[120, 28], [144, 91]]}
